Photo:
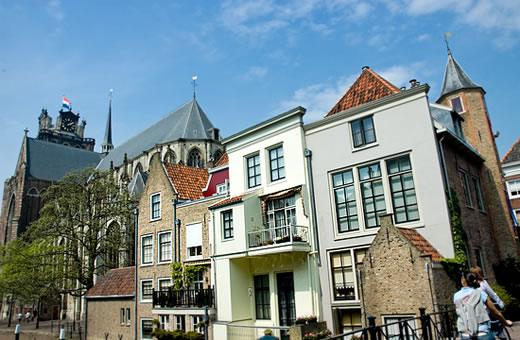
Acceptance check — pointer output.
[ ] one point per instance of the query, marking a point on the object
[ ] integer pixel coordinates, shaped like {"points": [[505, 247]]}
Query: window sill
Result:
{"points": [[364, 147], [146, 301], [146, 264], [155, 219], [194, 258], [228, 239], [164, 262]]}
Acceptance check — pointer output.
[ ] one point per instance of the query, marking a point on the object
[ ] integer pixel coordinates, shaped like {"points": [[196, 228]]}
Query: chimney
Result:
{"points": [[364, 68], [414, 83]]}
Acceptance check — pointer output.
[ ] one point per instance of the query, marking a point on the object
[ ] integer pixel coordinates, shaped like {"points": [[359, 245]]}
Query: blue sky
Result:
{"points": [[253, 59]]}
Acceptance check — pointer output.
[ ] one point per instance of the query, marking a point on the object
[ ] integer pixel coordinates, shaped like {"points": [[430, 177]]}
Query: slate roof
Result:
{"points": [[186, 122], [369, 86], [455, 78], [136, 185], [513, 154], [51, 161], [188, 181], [119, 282], [420, 243], [224, 159]]}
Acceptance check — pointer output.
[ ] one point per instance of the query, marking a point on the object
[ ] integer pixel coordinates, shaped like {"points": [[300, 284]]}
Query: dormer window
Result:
{"points": [[456, 104]]}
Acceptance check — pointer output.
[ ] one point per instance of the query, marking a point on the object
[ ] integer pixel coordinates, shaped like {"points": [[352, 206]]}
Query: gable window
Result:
{"points": [[456, 104], [465, 186], [253, 171], [373, 194], [277, 164], [155, 206], [402, 187], [262, 297], [165, 246], [345, 196], [147, 249], [194, 239], [281, 213], [227, 223], [514, 188], [146, 290], [478, 192], [343, 266], [363, 131]]}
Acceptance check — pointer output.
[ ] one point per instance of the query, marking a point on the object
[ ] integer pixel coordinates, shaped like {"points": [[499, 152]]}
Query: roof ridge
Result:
{"points": [[511, 149], [407, 232], [394, 88]]}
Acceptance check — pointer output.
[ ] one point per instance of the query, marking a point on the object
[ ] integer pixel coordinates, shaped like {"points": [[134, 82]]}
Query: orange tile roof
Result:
{"points": [[228, 201], [369, 86], [117, 282], [420, 243], [222, 160], [188, 181]]}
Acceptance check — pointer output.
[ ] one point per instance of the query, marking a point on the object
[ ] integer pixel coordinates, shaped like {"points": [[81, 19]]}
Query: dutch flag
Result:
{"points": [[66, 104]]}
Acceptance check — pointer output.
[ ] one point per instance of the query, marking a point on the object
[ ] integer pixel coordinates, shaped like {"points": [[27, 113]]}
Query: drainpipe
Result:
{"points": [[174, 203], [213, 264], [446, 178], [136, 241]]}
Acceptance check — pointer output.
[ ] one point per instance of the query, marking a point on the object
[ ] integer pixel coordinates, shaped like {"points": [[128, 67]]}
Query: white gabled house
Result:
{"points": [[263, 261]]}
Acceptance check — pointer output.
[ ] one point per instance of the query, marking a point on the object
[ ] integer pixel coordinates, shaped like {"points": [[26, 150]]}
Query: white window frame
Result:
{"points": [[144, 264], [152, 217], [141, 299], [354, 264], [398, 317], [159, 248], [513, 185], [141, 328], [162, 324], [180, 320], [221, 188], [193, 323], [190, 246], [161, 279], [450, 100]]}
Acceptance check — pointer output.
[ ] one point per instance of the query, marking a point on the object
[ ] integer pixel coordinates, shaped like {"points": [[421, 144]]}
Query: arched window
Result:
{"points": [[194, 159], [113, 242], [33, 192], [170, 157], [138, 168]]}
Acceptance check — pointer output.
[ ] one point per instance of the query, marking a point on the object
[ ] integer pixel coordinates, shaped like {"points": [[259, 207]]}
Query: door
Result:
{"points": [[286, 305]]}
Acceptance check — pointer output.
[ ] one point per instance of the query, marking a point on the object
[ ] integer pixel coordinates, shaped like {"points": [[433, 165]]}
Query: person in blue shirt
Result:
{"points": [[268, 335], [469, 285]]}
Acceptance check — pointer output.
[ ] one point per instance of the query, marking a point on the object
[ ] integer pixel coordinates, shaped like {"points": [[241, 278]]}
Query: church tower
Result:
{"points": [[468, 99], [107, 145]]}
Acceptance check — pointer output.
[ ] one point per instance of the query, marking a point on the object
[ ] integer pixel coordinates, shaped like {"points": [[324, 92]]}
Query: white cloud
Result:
{"points": [[55, 10], [423, 37], [254, 72]]}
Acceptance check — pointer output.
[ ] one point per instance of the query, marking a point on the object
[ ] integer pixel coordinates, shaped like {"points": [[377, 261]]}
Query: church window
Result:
{"points": [[169, 157], [194, 159], [138, 168], [33, 192], [112, 245]]}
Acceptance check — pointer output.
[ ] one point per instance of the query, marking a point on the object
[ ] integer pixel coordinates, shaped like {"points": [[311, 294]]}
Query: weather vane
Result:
{"points": [[446, 36], [194, 82]]}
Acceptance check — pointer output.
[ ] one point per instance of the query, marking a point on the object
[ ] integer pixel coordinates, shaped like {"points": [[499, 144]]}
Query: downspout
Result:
{"points": [[214, 265], [136, 241], [174, 203], [446, 178]]}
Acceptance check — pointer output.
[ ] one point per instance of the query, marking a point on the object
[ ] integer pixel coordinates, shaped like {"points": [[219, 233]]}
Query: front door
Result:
{"points": [[286, 305]]}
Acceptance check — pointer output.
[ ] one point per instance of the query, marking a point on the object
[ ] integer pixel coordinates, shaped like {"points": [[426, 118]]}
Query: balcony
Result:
{"points": [[184, 298], [284, 238]]}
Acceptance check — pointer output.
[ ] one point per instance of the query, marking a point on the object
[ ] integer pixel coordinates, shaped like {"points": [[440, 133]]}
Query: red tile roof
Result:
{"points": [[117, 282], [228, 201], [188, 181], [369, 86], [420, 243], [222, 160]]}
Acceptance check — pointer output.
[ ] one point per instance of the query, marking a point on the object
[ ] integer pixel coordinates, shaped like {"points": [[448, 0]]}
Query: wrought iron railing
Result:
{"points": [[173, 298], [278, 235]]}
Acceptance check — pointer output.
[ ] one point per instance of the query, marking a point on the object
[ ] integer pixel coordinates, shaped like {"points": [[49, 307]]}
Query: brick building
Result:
{"points": [[511, 171]]}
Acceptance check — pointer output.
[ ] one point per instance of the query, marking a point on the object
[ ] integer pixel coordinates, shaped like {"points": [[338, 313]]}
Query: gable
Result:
{"points": [[513, 154]]}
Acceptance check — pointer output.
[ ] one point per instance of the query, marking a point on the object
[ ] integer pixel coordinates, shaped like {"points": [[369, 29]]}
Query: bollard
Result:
{"points": [[17, 332], [372, 327], [62, 334]]}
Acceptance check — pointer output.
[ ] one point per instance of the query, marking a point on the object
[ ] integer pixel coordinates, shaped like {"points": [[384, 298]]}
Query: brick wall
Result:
{"points": [[104, 316]]}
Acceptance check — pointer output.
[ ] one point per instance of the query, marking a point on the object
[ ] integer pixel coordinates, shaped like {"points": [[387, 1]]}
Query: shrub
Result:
{"points": [[177, 334], [511, 304], [508, 275]]}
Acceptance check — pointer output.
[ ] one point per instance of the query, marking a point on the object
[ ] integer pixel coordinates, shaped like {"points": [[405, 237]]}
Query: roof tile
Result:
{"points": [[420, 243], [228, 201], [188, 181], [513, 154], [119, 281]]}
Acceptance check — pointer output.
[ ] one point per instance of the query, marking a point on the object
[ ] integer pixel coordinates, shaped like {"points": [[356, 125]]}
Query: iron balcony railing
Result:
{"points": [[278, 235], [173, 298]]}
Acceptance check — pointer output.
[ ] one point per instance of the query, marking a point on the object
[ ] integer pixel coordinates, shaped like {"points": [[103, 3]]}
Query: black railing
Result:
{"points": [[440, 325], [183, 298]]}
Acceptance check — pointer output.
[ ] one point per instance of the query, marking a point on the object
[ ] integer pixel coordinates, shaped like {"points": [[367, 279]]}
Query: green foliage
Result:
{"points": [[183, 276], [177, 334], [511, 304], [456, 265], [507, 273]]}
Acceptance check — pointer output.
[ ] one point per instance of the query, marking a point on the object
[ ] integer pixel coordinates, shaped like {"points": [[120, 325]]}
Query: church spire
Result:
{"points": [[107, 145], [455, 78]]}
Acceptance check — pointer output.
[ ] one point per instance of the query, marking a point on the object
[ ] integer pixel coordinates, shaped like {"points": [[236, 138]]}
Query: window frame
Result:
{"points": [[363, 131], [163, 317], [227, 224], [460, 101], [513, 186], [180, 319], [194, 324], [464, 181], [160, 244], [354, 263], [122, 318], [142, 299], [128, 317], [277, 159], [151, 245], [365, 200], [142, 328], [478, 193], [260, 294], [400, 173], [153, 216], [162, 279], [257, 170]]}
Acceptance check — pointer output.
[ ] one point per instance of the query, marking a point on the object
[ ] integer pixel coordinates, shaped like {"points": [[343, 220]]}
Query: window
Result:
{"points": [[393, 330], [164, 322], [194, 239], [165, 246], [363, 131], [122, 316], [343, 266], [262, 297], [345, 196], [164, 284], [281, 214], [514, 188], [146, 329], [169, 157], [194, 159], [465, 185], [198, 280], [456, 104], [180, 322], [147, 249], [222, 188], [478, 192], [155, 208], [480, 260], [195, 320], [372, 193], [227, 222], [128, 316], [277, 164], [253, 171], [146, 290], [402, 187]]}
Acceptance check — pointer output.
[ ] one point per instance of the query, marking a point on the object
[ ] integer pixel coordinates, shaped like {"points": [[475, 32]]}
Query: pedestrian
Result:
{"points": [[19, 317], [472, 318], [496, 326], [28, 316], [268, 335]]}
